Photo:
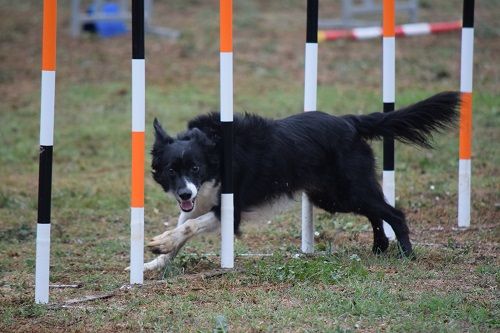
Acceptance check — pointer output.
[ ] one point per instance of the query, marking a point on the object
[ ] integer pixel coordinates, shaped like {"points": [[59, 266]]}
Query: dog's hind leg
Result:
{"points": [[324, 201], [367, 198], [396, 220], [380, 241]]}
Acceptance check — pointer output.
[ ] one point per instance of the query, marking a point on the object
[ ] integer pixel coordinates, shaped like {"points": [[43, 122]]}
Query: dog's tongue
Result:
{"points": [[186, 205]]}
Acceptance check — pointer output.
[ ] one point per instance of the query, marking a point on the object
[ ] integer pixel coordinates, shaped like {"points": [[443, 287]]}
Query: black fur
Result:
{"points": [[326, 156]]}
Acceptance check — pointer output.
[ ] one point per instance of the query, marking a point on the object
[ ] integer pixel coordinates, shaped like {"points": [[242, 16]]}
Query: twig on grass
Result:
{"points": [[211, 254], [62, 286], [152, 282], [428, 244], [210, 274], [71, 302], [216, 273]]}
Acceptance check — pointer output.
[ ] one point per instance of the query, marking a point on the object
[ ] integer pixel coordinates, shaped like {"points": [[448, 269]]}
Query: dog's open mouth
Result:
{"points": [[186, 205]]}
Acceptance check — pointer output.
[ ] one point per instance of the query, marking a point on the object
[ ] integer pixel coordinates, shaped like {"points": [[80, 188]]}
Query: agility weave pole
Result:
{"points": [[388, 100], [138, 144], [404, 30], [226, 118], [465, 141], [310, 98], [42, 265]]}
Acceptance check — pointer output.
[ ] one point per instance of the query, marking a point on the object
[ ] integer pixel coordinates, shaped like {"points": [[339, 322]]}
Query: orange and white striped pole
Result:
{"points": [[47, 102], [226, 118], [465, 145], [388, 99], [138, 144]]}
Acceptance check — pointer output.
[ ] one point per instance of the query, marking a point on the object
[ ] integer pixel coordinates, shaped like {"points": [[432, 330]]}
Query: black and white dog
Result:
{"points": [[325, 156]]}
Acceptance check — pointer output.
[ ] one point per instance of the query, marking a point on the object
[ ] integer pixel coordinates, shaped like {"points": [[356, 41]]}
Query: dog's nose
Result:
{"points": [[184, 194]]}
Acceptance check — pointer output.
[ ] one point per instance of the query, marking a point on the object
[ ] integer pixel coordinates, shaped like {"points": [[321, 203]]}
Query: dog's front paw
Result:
{"points": [[162, 235], [165, 243], [159, 263]]}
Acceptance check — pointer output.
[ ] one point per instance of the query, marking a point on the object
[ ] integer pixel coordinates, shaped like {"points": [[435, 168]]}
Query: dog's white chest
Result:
{"points": [[208, 197]]}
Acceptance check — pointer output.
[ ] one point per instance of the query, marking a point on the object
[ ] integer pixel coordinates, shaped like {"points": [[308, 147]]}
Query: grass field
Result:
{"points": [[451, 287]]}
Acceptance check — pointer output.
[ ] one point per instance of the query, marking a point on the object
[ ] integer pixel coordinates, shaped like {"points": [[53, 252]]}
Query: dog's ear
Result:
{"points": [[207, 144], [160, 134], [201, 137]]}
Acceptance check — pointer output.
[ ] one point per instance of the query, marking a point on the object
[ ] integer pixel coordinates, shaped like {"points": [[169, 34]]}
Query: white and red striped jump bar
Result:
{"points": [[411, 29]]}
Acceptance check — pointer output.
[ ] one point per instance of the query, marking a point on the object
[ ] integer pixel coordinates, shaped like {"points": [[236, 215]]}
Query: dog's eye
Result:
{"points": [[171, 171], [195, 169]]}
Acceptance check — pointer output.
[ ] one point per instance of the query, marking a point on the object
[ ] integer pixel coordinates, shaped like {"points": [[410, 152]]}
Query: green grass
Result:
{"points": [[316, 293], [367, 299], [343, 289]]}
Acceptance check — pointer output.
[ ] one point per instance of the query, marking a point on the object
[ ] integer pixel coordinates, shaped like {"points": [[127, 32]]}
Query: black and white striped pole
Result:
{"points": [[310, 97], [226, 118], [388, 99], [47, 102]]}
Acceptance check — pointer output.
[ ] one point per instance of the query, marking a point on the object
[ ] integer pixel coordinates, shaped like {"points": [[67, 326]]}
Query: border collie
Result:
{"points": [[325, 156]]}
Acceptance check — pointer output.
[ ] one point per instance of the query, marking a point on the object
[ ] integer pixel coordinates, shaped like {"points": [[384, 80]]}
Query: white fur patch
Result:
{"points": [[157, 263], [269, 210], [191, 187]]}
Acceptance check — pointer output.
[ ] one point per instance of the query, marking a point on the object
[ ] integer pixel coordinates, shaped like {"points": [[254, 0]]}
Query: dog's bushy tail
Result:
{"points": [[413, 124]]}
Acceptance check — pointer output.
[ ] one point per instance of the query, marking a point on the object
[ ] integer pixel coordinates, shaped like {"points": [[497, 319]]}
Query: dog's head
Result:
{"points": [[182, 165]]}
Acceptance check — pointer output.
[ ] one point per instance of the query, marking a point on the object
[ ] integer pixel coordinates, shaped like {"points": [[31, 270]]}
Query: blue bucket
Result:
{"points": [[108, 28]]}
